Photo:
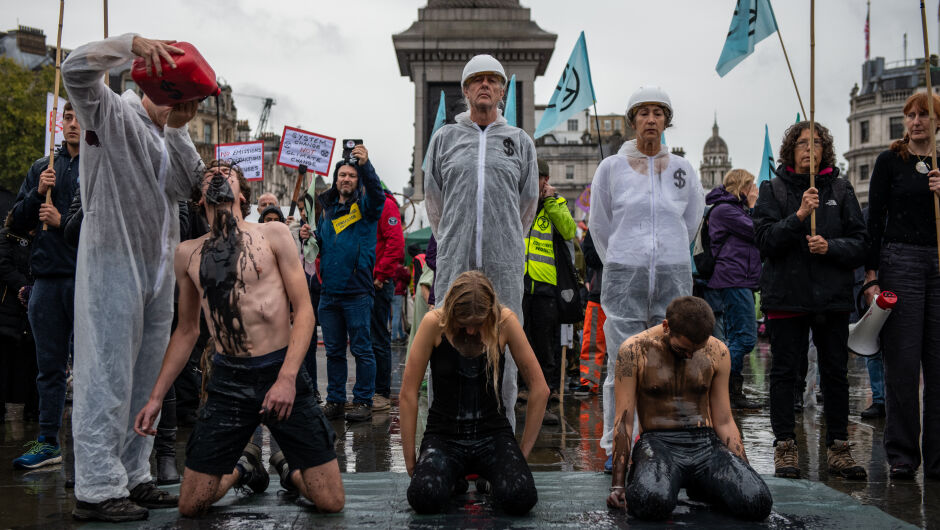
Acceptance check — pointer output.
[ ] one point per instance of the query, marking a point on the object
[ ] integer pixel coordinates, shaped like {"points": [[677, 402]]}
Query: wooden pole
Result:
{"points": [[301, 171], [55, 100], [105, 19], [812, 108], [933, 123]]}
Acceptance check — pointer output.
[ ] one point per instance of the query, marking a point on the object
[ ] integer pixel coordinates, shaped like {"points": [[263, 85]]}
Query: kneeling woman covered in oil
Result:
{"points": [[467, 430]]}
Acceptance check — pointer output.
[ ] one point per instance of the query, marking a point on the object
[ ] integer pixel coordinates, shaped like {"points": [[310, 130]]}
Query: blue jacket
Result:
{"points": [[347, 244], [52, 256]]}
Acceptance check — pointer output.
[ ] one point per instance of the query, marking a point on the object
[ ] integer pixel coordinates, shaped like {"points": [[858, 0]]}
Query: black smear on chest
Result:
{"points": [[224, 259]]}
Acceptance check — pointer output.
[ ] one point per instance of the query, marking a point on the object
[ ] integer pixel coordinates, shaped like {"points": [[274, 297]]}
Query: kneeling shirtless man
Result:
{"points": [[245, 277], [675, 376]]}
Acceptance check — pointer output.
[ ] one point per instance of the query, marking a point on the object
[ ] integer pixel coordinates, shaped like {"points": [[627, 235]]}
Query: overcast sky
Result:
{"points": [[331, 65]]}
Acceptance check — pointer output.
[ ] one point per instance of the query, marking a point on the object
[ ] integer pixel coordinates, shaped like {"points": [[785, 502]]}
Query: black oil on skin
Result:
{"points": [[224, 258]]}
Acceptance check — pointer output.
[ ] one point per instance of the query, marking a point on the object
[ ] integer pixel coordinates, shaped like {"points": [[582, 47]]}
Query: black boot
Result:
{"points": [[736, 391], [164, 445]]}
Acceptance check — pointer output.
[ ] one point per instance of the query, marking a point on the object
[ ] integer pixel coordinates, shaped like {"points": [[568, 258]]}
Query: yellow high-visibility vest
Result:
{"points": [[540, 251]]}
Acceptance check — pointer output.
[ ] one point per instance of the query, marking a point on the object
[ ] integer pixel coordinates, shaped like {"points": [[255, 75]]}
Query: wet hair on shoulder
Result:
{"points": [[690, 317]]}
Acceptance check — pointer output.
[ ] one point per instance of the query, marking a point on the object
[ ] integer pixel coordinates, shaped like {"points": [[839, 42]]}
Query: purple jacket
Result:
{"points": [[737, 259]]}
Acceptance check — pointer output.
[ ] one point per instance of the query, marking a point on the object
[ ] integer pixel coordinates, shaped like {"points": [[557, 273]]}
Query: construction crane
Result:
{"points": [[267, 103]]}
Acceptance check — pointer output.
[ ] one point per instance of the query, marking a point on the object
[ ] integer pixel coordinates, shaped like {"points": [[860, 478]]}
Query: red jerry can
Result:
{"points": [[192, 79]]}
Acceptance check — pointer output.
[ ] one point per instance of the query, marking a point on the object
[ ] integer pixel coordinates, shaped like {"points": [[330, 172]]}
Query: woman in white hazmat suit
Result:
{"points": [[646, 205], [481, 189], [134, 170]]}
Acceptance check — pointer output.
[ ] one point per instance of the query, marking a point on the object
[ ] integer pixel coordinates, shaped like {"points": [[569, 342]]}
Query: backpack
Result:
{"points": [[702, 252]]}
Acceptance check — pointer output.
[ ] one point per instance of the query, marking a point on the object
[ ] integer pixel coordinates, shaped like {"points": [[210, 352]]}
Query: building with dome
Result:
{"points": [[715, 160]]}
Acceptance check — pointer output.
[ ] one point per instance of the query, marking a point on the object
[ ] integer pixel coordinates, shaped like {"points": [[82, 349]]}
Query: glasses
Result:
{"points": [[803, 144]]}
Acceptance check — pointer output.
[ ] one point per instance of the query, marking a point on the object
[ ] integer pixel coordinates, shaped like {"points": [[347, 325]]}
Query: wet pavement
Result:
{"points": [[39, 498]]}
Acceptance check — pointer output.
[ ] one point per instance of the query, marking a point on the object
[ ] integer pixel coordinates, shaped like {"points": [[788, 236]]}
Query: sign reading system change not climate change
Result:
{"points": [[248, 156], [304, 147]]}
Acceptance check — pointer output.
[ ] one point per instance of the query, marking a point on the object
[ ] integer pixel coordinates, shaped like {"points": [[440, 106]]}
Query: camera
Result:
{"points": [[348, 146]]}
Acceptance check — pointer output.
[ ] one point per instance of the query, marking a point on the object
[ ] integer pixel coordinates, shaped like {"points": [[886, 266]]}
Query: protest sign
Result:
{"points": [[54, 124], [303, 147], [249, 156]]}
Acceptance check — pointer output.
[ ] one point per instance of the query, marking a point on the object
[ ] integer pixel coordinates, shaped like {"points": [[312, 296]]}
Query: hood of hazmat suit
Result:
{"points": [[133, 174], [481, 192], [645, 211]]}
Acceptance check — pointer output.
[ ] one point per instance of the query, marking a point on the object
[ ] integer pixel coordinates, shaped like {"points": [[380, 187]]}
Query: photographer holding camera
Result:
{"points": [[346, 236]]}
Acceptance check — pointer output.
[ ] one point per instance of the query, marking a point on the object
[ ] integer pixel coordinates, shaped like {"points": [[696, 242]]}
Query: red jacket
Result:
{"points": [[402, 279], [390, 242]]}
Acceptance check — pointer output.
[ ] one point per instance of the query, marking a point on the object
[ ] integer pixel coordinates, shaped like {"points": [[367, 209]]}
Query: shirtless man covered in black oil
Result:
{"points": [[675, 376], [245, 277]]}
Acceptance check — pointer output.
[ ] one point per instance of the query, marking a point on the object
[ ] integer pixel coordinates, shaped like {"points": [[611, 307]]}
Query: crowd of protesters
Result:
{"points": [[482, 309]]}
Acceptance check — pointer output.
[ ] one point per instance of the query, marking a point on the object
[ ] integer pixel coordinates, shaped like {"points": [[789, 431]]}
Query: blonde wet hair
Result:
{"points": [[472, 302]]}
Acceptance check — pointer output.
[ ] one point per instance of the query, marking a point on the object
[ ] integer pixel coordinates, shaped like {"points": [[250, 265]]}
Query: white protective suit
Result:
{"points": [[133, 174], [644, 214], [481, 189]]}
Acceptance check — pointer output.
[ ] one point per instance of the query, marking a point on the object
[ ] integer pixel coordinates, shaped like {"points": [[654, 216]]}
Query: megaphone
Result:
{"points": [[863, 335]]}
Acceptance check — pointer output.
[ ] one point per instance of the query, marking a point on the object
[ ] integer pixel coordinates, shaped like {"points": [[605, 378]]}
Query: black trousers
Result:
{"points": [[540, 322], [496, 457], [789, 342], [694, 459], [910, 340]]}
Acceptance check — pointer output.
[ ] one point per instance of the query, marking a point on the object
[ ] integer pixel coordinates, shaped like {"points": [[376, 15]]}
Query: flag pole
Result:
{"points": [[933, 122], [812, 108], [792, 78], [55, 101], [597, 124], [105, 19]]}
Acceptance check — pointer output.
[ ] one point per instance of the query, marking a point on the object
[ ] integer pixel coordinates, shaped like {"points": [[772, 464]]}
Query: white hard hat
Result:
{"points": [[481, 64], [649, 94]]}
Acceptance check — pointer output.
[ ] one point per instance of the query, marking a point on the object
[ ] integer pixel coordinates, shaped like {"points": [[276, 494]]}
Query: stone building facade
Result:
{"points": [[876, 116], [433, 51]]}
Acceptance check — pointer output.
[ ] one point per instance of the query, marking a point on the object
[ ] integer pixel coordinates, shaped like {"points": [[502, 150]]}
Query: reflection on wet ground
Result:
{"points": [[39, 498]]}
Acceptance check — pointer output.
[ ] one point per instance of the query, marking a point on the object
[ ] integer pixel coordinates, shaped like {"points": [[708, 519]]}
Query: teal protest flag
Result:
{"points": [[767, 160], [797, 117], [574, 92], [510, 113], [438, 123], [752, 22]]}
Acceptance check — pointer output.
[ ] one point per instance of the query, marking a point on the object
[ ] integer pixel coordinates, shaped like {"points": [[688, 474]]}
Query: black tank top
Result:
{"points": [[465, 402]]}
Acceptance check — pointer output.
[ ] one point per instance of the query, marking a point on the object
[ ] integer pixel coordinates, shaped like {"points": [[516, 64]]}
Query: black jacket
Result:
{"points": [[792, 279], [595, 267], [52, 255], [14, 274], [72, 222]]}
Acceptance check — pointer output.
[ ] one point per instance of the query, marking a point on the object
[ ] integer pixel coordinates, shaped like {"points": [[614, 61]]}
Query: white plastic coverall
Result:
{"points": [[481, 188], [644, 214], [132, 176]]}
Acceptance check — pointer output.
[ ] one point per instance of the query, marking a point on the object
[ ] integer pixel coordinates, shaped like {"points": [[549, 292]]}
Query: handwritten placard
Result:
{"points": [[54, 123], [249, 156], [304, 147]]}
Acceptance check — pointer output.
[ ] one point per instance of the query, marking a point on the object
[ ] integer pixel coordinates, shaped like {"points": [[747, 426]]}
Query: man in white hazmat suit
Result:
{"points": [[646, 205], [137, 162], [482, 190]]}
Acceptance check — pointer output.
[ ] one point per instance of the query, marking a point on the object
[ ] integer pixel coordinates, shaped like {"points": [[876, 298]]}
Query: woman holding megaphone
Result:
{"points": [[903, 259]]}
